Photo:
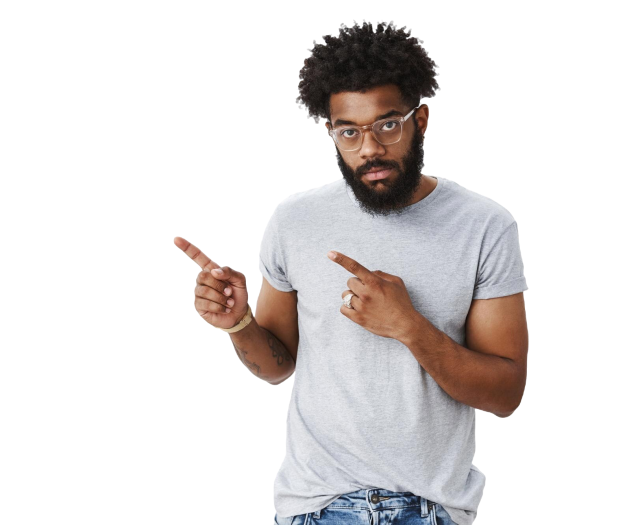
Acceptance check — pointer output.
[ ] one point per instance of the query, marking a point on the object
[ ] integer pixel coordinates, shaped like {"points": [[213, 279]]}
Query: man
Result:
{"points": [[385, 395], [431, 326]]}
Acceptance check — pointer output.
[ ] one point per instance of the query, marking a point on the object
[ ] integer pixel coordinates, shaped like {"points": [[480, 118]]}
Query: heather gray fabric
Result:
{"points": [[363, 412]]}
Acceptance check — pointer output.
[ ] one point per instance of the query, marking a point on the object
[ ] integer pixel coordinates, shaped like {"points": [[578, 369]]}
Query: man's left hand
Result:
{"points": [[381, 303]]}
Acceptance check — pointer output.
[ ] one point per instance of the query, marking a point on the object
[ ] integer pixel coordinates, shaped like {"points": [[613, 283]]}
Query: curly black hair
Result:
{"points": [[359, 59]]}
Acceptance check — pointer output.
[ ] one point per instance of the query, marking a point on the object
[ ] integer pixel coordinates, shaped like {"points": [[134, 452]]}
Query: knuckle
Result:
{"points": [[220, 298], [205, 292]]}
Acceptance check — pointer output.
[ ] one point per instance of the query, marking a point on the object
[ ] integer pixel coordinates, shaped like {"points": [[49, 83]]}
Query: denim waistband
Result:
{"points": [[380, 499]]}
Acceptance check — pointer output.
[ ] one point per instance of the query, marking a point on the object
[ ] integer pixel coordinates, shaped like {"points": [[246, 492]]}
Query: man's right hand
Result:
{"points": [[213, 291]]}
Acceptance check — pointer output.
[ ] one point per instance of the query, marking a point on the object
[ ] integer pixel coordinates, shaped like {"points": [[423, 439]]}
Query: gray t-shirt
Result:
{"points": [[363, 412]]}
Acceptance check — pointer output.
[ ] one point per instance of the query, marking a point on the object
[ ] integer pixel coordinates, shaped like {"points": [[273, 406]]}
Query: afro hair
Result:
{"points": [[361, 58]]}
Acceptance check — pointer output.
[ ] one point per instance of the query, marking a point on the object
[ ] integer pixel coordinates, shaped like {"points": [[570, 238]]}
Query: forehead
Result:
{"points": [[363, 108]]}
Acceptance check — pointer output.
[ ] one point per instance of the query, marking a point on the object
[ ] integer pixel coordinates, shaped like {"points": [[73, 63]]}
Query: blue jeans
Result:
{"points": [[374, 507]]}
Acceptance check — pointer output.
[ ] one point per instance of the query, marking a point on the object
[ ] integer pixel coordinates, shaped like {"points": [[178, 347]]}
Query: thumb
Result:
{"points": [[385, 276], [228, 274]]}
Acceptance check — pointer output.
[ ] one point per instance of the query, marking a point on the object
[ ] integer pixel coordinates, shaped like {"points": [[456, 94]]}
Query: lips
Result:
{"points": [[378, 173], [374, 170]]}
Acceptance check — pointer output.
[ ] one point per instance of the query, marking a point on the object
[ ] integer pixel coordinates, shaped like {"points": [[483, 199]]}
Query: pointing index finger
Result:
{"points": [[352, 266], [195, 253]]}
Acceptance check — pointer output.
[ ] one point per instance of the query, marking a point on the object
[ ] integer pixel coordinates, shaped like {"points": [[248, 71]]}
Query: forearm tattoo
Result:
{"points": [[278, 351], [253, 367]]}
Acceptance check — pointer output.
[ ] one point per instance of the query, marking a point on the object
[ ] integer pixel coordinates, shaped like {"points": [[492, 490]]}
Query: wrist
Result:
{"points": [[241, 317], [409, 331], [242, 322]]}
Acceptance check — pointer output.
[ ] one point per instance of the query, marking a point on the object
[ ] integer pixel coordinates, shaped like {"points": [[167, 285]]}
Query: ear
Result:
{"points": [[421, 118], [328, 126]]}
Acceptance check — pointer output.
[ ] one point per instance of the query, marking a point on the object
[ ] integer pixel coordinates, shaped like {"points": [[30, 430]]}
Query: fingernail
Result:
{"points": [[230, 302], [227, 291], [227, 310], [218, 271], [332, 255]]}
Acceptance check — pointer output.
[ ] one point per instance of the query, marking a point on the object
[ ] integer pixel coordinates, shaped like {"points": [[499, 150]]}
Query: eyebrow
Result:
{"points": [[391, 113]]}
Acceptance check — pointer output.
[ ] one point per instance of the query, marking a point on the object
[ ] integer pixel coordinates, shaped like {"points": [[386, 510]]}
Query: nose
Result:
{"points": [[370, 147]]}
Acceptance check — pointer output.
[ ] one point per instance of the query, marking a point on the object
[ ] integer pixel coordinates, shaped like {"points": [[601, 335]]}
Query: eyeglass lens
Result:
{"points": [[385, 131]]}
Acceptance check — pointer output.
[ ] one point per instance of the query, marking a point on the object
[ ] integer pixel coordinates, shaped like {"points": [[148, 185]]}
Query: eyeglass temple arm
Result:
{"points": [[411, 112]]}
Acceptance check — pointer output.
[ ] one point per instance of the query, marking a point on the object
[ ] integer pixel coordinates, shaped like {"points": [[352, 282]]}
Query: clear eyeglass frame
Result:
{"points": [[401, 120]]}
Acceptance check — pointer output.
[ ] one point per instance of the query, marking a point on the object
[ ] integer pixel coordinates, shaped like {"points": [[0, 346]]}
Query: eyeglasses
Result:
{"points": [[386, 131]]}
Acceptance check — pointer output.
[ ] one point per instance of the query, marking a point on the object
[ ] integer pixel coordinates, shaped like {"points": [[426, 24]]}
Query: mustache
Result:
{"points": [[377, 164]]}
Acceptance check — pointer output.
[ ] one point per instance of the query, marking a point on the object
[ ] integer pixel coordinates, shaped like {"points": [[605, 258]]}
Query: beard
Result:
{"points": [[386, 196]]}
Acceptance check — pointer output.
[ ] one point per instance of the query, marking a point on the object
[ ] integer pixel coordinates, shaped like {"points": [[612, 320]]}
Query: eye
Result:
{"points": [[390, 125], [349, 133]]}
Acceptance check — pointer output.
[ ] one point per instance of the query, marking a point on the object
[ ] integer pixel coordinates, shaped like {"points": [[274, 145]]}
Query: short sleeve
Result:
{"points": [[272, 259], [500, 270]]}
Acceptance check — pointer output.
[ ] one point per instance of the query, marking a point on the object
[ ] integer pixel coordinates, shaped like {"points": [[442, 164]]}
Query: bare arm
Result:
{"points": [[263, 353], [268, 345]]}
